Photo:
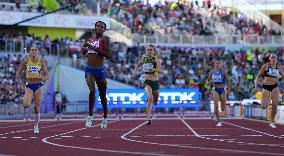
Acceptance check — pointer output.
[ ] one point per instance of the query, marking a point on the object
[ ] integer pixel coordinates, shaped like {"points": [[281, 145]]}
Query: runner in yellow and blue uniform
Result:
{"points": [[151, 67], [36, 73], [219, 77]]}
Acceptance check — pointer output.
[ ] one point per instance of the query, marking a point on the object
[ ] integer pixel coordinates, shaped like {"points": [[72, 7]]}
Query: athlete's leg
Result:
{"points": [[216, 99], [90, 79], [265, 98], [27, 101], [102, 86], [274, 98], [149, 94], [155, 96], [38, 97], [223, 99], [92, 96]]}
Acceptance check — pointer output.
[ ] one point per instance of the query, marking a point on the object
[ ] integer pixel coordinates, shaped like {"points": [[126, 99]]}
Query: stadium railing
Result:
{"points": [[16, 45], [209, 40]]}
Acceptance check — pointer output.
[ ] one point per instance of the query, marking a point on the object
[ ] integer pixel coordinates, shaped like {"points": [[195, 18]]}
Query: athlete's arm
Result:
{"points": [[281, 71], [105, 51], [159, 66], [139, 64], [19, 73], [227, 78], [45, 71], [263, 68], [209, 77]]}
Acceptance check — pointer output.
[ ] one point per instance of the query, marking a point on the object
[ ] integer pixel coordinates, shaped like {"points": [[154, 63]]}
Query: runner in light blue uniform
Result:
{"points": [[220, 79]]}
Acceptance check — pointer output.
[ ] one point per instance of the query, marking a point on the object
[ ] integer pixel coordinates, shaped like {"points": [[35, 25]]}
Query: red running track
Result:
{"points": [[196, 137]]}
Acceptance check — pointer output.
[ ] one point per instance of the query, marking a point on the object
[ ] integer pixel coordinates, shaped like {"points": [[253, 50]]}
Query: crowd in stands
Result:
{"points": [[183, 67], [186, 16], [243, 24], [8, 87], [183, 17]]}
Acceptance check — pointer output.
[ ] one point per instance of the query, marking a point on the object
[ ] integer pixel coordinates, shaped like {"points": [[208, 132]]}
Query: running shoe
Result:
{"points": [[272, 125], [89, 121], [219, 124], [36, 129], [104, 123]]}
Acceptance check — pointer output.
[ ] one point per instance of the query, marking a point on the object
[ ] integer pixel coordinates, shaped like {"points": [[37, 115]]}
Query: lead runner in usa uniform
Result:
{"points": [[220, 78], [97, 49]]}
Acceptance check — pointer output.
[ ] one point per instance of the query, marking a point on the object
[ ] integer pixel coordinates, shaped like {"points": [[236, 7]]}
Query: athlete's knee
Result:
{"points": [[150, 99], [223, 106], [92, 93], [263, 106], [155, 101], [37, 109], [26, 104], [102, 94]]}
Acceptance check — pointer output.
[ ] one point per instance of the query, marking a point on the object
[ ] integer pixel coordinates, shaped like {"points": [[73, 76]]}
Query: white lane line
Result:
{"points": [[33, 137], [3, 137], [251, 135], [179, 135], [271, 135], [66, 136], [86, 136], [124, 137], [3, 127], [190, 128], [17, 137], [25, 130], [45, 140]]}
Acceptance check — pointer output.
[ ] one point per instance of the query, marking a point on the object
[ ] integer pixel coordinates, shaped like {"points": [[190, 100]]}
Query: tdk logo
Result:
{"points": [[165, 97]]}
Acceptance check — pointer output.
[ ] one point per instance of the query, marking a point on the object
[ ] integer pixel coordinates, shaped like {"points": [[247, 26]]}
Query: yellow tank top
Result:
{"points": [[33, 70]]}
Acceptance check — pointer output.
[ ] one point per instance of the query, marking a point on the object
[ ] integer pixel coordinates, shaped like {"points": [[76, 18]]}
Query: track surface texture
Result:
{"points": [[177, 136]]}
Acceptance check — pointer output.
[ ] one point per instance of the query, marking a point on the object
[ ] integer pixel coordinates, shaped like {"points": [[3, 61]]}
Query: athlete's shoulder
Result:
{"points": [[106, 38]]}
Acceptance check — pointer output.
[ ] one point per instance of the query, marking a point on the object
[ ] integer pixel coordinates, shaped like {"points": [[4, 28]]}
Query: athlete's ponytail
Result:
{"points": [[266, 58]]}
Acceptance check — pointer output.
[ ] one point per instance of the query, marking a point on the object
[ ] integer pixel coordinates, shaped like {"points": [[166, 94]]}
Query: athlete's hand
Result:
{"points": [[20, 86], [134, 74], [228, 92], [84, 51], [254, 89], [88, 45]]}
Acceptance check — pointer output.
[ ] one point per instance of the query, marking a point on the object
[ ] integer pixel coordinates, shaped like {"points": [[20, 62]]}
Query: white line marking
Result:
{"points": [[136, 136], [86, 136], [251, 135], [33, 137], [253, 130], [24, 139], [17, 137], [25, 130], [3, 137], [66, 136], [45, 140], [180, 135], [190, 128], [3, 127], [124, 137]]}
